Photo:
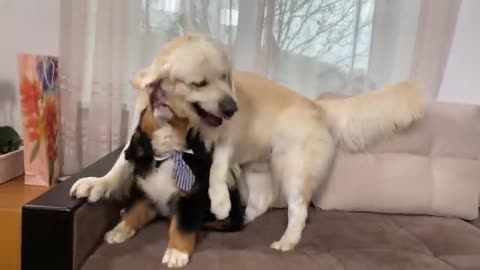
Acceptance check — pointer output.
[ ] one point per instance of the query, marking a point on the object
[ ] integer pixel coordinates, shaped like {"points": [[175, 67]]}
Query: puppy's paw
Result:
{"points": [[119, 234], [92, 188], [283, 245], [174, 258], [220, 201]]}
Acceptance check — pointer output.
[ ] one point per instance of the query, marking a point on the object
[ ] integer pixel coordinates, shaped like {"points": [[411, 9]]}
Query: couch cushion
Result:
{"points": [[432, 168], [331, 240]]}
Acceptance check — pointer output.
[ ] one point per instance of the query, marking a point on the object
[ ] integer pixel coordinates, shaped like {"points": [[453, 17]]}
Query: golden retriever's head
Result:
{"points": [[195, 74]]}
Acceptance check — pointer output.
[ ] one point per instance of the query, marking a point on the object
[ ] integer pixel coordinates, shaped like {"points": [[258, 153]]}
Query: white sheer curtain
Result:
{"points": [[100, 47], [312, 46], [308, 45]]}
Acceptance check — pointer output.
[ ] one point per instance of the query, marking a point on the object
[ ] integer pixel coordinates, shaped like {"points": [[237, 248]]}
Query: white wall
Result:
{"points": [[461, 81], [25, 26]]}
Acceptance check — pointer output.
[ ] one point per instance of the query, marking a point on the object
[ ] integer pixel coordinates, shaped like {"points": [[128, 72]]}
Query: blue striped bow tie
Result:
{"points": [[183, 174]]}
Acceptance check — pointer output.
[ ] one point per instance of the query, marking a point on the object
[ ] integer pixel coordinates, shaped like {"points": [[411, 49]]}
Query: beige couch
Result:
{"points": [[434, 168]]}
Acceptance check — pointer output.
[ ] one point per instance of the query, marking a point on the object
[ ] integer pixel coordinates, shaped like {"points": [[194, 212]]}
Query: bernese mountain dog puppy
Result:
{"points": [[171, 170]]}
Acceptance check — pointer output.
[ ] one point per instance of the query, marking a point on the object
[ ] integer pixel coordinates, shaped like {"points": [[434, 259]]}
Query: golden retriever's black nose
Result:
{"points": [[228, 107]]}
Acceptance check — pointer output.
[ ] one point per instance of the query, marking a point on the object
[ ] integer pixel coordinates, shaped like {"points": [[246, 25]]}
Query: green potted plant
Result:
{"points": [[11, 154]]}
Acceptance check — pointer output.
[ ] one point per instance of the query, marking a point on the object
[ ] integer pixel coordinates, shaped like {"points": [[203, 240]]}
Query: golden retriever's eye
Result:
{"points": [[200, 84], [224, 77]]}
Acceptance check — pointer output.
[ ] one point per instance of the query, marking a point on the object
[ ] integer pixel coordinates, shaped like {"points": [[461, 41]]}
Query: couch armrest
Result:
{"points": [[60, 232]]}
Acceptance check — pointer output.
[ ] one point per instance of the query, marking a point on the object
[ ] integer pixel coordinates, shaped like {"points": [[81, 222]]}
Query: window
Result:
{"points": [[309, 45]]}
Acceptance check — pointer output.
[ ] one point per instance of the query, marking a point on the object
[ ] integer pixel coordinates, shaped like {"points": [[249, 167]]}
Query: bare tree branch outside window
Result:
{"points": [[316, 44], [322, 28]]}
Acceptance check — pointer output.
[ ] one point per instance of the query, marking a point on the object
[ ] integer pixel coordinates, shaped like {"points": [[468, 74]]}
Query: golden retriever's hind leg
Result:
{"points": [[260, 193], [180, 246], [301, 168], [134, 219]]}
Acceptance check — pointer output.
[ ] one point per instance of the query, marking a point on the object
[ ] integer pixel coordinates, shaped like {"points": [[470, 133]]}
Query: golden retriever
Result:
{"points": [[283, 142]]}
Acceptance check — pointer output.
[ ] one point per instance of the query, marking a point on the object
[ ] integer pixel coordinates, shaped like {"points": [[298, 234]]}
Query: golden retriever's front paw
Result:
{"points": [[119, 234], [220, 201], [92, 188], [174, 258], [283, 245]]}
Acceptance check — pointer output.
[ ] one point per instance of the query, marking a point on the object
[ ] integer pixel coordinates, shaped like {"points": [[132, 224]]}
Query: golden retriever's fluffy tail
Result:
{"points": [[359, 120]]}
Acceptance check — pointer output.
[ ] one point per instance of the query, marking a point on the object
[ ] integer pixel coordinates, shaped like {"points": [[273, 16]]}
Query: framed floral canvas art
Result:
{"points": [[38, 80]]}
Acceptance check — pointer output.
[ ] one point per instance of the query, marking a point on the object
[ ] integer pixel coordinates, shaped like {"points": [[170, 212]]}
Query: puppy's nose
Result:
{"points": [[228, 107]]}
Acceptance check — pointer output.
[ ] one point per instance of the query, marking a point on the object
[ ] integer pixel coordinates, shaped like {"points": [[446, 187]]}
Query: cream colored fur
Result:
{"points": [[283, 142], [355, 124]]}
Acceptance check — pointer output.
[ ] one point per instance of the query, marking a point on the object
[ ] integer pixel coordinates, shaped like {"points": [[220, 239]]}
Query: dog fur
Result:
{"points": [[155, 190], [283, 142]]}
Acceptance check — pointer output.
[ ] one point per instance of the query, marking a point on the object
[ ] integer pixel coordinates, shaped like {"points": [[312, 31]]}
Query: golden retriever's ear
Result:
{"points": [[139, 80], [145, 76]]}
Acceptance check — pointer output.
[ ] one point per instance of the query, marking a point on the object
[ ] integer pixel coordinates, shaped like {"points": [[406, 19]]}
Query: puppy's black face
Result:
{"points": [[140, 152]]}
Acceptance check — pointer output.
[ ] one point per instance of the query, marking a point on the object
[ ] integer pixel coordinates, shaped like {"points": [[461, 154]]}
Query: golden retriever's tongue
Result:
{"points": [[213, 120]]}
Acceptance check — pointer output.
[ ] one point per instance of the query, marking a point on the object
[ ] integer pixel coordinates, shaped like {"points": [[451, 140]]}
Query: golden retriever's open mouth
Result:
{"points": [[208, 118]]}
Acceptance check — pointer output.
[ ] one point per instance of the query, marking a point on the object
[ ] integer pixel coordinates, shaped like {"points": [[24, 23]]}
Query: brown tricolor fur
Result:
{"points": [[142, 211], [180, 240], [139, 215], [147, 123]]}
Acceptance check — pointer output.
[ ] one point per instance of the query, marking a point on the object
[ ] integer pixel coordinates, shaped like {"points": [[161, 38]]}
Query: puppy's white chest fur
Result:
{"points": [[160, 185]]}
